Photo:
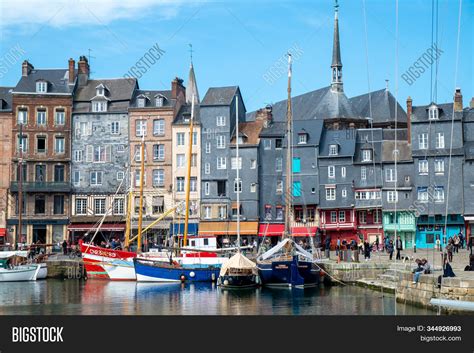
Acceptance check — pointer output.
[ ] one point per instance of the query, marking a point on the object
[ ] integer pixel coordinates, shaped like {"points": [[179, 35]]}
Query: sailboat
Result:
{"points": [[287, 264], [12, 272], [238, 271], [156, 270]]}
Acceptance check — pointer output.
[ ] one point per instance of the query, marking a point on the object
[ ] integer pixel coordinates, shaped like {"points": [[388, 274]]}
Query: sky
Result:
{"points": [[244, 43]]}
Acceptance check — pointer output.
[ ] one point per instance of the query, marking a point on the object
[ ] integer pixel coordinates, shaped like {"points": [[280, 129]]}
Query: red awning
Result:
{"points": [[93, 226], [271, 230], [304, 231], [3, 232]]}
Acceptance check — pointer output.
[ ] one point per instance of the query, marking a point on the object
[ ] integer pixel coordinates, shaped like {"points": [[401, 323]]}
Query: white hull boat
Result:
{"points": [[19, 273]]}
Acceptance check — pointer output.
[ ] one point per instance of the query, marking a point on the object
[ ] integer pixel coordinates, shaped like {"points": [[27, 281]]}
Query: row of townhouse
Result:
{"points": [[362, 167]]}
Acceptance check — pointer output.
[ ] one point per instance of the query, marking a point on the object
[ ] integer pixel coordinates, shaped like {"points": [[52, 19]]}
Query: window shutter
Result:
{"points": [[107, 153], [89, 128], [89, 153]]}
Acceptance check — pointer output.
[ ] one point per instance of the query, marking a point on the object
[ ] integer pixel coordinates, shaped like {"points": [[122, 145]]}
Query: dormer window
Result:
{"points": [[333, 150], [141, 102], [41, 86], [159, 101], [100, 90], [366, 155], [302, 138], [433, 112]]}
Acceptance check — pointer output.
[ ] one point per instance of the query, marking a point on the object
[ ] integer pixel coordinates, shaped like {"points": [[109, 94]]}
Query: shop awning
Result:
{"points": [[304, 231], [89, 226], [227, 228], [178, 229], [469, 218], [3, 232], [271, 230]]}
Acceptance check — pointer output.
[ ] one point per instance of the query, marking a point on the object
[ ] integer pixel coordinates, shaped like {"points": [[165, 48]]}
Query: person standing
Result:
{"points": [[456, 243], [389, 248], [65, 247], [450, 249], [338, 246], [377, 243], [399, 247], [367, 250], [461, 240], [327, 246]]}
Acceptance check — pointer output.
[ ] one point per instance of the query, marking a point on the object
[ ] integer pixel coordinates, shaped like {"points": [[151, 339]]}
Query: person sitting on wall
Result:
{"points": [[470, 267], [426, 266], [447, 270], [418, 270]]}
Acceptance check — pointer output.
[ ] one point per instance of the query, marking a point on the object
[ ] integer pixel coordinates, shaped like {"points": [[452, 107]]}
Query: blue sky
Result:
{"points": [[239, 42]]}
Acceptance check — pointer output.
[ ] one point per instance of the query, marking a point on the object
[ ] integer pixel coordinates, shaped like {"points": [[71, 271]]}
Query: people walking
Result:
{"points": [[399, 247], [389, 248]]}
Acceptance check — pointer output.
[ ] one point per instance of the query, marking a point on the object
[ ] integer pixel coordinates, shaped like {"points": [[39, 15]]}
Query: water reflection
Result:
{"points": [[131, 298]]}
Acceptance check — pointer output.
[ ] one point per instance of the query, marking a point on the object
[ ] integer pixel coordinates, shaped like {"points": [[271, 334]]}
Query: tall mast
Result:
{"points": [[20, 189], [289, 162], [238, 166], [129, 213], [188, 176], [140, 211]]}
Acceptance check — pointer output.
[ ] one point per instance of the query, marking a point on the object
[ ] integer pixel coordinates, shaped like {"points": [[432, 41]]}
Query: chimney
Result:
{"points": [[72, 64], [83, 70], [265, 115], [458, 100], [471, 103], [26, 68], [177, 87], [409, 112]]}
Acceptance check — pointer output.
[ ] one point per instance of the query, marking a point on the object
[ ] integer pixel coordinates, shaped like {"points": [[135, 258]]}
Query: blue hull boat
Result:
{"points": [[289, 273], [157, 271]]}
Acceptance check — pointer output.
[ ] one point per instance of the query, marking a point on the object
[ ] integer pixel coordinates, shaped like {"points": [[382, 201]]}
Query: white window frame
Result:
{"points": [[76, 177], [279, 186], [278, 164], [342, 217], [423, 167], [433, 113], [78, 155], [208, 147], [440, 140], [366, 155], [233, 163], [237, 185], [331, 194], [115, 128], [392, 196], [363, 173], [59, 148], [41, 86], [220, 120], [96, 177], [331, 172], [390, 175], [59, 117], [423, 141], [344, 192], [158, 127], [221, 163], [41, 112], [207, 188], [100, 209], [120, 176], [220, 141], [333, 150], [140, 127], [207, 212], [207, 168], [81, 206], [302, 139], [439, 166], [180, 160], [158, 176]]}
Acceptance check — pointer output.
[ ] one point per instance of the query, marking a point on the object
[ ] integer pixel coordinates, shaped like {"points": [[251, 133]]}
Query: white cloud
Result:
{"points": [[61, 13]]}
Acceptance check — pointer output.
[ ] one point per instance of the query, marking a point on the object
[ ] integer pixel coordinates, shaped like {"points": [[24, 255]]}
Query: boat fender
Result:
{"points": [[226, 282], [192, 274], [182, 278], [213, 277]]}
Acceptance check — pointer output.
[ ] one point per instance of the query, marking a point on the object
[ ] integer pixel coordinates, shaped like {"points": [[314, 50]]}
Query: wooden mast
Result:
{"points": [[238, 166], [129, 213], [140, 212], [20, 190], [289, 161], [188, 175]]}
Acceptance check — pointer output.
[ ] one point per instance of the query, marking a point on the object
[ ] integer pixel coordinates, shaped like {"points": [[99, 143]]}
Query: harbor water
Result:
{"points": [[95, 297]]}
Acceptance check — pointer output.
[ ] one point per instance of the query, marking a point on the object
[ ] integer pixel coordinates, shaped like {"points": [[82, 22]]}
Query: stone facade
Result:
{"points": [[6, 144]]}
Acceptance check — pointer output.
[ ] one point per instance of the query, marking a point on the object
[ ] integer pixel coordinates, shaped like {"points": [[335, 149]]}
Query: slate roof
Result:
{"points": [[420, 113], [403, 147], [184, 114], [220, 95], [119, 94], [6, 98], [383, 106], [345, 140], [150, 95], [57, 81], [322, 103], [276, 129], [313, 128]]}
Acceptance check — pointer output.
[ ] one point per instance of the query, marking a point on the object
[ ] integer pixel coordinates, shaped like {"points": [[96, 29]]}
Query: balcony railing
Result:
{"points": [[37, 186]]}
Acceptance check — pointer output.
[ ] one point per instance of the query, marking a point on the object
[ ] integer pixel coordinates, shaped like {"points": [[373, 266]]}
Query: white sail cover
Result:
{"points": [[5, 254], [300, 251], [238, 261]]}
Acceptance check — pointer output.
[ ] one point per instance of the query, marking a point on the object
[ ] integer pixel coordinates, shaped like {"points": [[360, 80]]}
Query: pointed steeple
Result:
{"points": [[336, 66], [191, 89]]}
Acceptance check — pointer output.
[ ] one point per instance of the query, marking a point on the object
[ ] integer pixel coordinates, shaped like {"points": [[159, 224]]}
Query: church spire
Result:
{"points": [[336, 66], [191, 89]]}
